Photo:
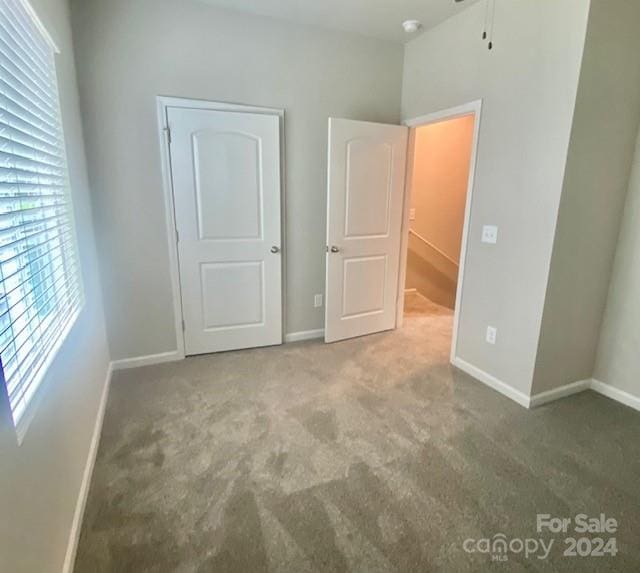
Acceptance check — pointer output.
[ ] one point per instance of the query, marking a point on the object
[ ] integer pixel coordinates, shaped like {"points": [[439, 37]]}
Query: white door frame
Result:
{"points": [[472, 108], [163, 103]]}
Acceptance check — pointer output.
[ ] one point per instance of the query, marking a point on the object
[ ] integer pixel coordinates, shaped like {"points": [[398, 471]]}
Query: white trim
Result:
{"points": [[616, 394], [148, 360], [445, 114], [472, 108], [39, 25], [410, 290], [433, 247], [492, 382], [304, 335], [477, 107], [163, 103], [76, 526], [558, 393], [43, 375], [406, 224], [167, 186], [591, 384], [194, 103]]}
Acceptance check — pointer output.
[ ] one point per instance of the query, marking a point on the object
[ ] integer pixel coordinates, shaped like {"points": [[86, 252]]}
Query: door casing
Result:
{"points": [[163, 103], [472, 108]]}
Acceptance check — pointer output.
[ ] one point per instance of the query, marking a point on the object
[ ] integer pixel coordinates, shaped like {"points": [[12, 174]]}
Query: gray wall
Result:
{"points": [[618, 359], [40, 480], [128, 52], [597, 175], [528, 84]]}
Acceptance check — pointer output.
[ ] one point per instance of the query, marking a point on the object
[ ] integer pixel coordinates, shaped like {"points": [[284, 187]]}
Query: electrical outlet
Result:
{"points": [[412, 214], [490, 234], [317, 301], [492, 334]]}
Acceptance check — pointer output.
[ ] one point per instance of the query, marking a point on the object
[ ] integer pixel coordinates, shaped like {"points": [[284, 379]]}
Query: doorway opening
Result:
{"points": [[441, 164]]}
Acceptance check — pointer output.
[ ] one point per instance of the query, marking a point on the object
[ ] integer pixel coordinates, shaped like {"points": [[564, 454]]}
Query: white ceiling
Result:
{"points": [[377, 18]]}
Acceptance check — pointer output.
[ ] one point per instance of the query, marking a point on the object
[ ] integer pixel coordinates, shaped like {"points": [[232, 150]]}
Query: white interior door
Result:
{"points": [[226, 182], [364, 219]]}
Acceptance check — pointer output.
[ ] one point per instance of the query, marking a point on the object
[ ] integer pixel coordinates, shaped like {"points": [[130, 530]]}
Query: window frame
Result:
{"points": [[43, 378]]}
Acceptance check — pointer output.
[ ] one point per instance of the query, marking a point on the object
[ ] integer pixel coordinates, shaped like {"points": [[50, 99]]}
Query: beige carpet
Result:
{"points": [[416, 306], [370, 455]]}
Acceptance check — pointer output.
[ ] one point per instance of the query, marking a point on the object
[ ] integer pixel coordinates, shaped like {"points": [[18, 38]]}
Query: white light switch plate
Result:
{"points": [[317, 301], [412, 214], [490, 234], [492, 334]]}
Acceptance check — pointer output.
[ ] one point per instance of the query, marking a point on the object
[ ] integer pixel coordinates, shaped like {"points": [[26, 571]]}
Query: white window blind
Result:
{"points": [[40, 287]]}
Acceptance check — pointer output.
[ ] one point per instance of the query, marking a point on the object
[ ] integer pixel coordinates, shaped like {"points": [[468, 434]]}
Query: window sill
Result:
{"points": [[25, 420]]}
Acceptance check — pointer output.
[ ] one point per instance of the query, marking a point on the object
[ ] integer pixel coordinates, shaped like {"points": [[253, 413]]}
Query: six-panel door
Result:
{"points": [[226, 181]]}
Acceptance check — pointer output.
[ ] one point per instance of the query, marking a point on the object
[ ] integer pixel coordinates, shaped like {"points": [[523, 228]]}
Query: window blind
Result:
{"points": [[40, 287]]}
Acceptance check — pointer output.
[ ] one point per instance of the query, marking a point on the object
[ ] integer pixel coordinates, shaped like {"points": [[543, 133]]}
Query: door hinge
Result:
{"points": [[168, 132], [184, 328], [177, 236]]}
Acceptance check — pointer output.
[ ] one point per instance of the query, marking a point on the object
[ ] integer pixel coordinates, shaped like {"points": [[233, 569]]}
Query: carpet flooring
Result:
{"points": [[371, 455]]}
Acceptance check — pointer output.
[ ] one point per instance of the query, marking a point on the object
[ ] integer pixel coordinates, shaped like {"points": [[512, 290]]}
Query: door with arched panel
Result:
{"points": [[367, 163], [225, 169]]}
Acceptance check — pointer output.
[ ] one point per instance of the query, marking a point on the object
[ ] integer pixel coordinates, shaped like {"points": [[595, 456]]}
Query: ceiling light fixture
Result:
{"points": [[411, 26]]}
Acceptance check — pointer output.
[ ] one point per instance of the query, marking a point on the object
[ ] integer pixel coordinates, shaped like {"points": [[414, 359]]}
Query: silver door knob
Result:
{"points": [[335, 250], [275, 249]]}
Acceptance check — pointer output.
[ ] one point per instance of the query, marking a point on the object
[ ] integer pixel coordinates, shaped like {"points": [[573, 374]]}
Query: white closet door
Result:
{"points": [[226, 181], [365, 200]]}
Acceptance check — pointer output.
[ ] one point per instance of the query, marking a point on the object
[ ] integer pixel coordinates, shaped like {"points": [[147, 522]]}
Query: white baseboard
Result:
{"points": [[492, 382], [76, 526], [148, 360], [551, 395], [616, 394], [557, 393], [576, 387], [304, 335]]}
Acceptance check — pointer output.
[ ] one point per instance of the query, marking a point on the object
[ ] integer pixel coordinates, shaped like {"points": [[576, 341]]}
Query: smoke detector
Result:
{"points": [[411, 26]]}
